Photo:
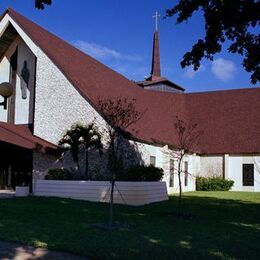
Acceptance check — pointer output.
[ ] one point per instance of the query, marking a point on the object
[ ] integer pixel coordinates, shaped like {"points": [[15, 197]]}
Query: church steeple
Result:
{"points": [[156, 67], [155, 81]]}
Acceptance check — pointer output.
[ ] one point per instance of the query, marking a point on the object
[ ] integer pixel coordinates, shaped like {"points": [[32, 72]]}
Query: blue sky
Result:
{"points": [[119, 34]]}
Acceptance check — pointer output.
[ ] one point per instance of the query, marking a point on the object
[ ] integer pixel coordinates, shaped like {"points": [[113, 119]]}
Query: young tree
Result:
{"points": [[188, 136], [82, 135], [120, 114], [234, 21]]}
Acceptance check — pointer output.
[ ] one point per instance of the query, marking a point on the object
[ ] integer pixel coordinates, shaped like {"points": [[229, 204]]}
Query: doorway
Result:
{"points": [[15, 166]]}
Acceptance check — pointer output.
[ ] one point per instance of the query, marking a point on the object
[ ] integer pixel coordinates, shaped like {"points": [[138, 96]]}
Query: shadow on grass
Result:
{"points": [[223, 228], [9, 250]]}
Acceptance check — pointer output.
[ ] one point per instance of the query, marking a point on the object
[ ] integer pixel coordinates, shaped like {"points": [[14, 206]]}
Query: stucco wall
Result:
{"points": [[163, 88], [230, 167], [24, 111], [193, 171], [211, 166], [235, 166], [24, 107], [4, 77]]}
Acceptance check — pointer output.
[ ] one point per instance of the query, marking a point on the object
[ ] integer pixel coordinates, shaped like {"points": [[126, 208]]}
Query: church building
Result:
{"points": [[55, 85]]}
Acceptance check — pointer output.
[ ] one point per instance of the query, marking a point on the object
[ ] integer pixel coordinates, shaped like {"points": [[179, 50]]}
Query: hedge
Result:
{"points": [[135, 173], [141, 173], [213, 184], [59, 174]]}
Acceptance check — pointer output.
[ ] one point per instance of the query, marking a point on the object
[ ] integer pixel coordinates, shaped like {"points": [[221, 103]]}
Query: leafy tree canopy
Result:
{"points": [[40, 4], [232, 20]]}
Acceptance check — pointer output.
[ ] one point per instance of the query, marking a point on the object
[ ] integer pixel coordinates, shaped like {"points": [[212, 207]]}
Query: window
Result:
{"points": [[248, 174], [186, 173], [152, 160], [171, 180]]}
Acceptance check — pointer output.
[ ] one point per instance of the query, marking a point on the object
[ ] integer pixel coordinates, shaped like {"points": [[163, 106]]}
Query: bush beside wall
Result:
{"points": [[59, 174], [135, 173], [141, 173], [213, 184]]}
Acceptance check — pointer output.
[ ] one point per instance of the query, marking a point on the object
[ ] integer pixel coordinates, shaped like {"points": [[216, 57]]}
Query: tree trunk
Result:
{"points": [[78, 168], [87, 165], [180, 184], [111, 208]]}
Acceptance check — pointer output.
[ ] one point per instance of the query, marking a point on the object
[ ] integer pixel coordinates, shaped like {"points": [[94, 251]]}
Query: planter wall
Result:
{"points": [[22, 191], [130, 193]]}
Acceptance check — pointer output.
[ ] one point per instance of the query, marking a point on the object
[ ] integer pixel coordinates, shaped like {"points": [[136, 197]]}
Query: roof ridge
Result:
{"points": [[10, 11], [223, 90]]}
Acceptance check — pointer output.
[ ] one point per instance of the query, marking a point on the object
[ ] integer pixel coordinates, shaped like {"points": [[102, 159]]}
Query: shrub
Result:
{"points": [[213, 184], [59, 174], [141, 173]]}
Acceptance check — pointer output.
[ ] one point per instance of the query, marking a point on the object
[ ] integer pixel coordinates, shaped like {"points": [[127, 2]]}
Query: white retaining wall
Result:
{"points": [[130, 193]]}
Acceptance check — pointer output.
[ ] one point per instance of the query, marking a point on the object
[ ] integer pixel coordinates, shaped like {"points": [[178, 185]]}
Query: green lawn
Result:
{"points": [[227, 225]]}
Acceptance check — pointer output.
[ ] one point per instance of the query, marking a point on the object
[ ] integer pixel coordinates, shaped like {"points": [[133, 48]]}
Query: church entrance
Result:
{"points": [[15, 166]]}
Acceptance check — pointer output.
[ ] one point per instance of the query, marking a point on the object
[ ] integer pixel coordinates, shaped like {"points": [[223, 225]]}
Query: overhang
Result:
{"points": [[20, 135]]}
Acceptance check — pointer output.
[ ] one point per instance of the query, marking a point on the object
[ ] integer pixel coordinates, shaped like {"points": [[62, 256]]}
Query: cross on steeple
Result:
{"points": [[156, 16]]}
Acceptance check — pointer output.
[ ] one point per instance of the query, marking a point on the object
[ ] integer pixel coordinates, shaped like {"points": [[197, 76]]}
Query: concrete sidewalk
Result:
{"points": [[5, 194], [14, 251]]}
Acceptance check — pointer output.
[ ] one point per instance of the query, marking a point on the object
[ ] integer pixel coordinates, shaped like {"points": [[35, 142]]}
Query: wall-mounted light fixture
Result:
{"points": [[6, 90]]}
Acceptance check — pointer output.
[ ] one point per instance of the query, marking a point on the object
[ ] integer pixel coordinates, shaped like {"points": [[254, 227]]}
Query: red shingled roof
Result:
{"points": [[230, 119], [20, 135]]}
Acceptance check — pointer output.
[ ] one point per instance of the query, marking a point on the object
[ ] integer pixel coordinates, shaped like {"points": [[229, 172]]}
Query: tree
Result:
{"points": [[82, 135], [234, 21], [89, 138], [120, 115], [40, 4], [70, 141], [188, 136]]}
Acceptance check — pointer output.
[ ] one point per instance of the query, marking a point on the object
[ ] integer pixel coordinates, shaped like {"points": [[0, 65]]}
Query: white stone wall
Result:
{"points": [[211, 166], [163, 156], [43, 162], [58, 103], [142, 153]]}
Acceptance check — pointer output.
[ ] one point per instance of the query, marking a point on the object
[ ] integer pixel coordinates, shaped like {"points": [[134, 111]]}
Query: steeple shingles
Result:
{"points": [[156, 67]]}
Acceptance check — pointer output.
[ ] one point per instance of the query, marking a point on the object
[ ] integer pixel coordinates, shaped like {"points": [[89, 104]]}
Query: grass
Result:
{"points": [[227, 226]]}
